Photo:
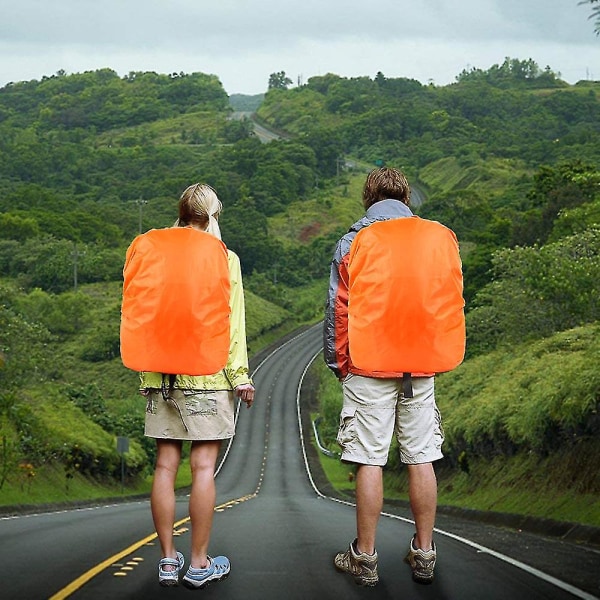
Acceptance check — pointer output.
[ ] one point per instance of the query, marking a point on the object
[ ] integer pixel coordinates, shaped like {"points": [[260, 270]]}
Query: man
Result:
{"points": [[379, 398]]}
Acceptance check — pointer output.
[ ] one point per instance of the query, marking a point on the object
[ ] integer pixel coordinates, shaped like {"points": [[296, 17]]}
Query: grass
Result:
{"points": [[200, 127], [491, 178], [518, 485], [553, 390], [49, 485], [331, 210], [528, 485], [339, 474]]}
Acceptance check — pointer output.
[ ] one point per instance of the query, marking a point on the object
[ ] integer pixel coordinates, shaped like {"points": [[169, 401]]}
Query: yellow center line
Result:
{"points": [[83, 579]]}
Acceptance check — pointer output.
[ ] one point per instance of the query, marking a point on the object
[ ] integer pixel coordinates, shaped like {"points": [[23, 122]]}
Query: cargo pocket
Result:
{"points": [[347, 431], [439, 429], [200, 403], [150, 401]]}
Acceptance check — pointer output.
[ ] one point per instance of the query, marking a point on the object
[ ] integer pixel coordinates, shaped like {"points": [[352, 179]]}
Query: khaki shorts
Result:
{"points": [[374, 409], [190, 415]]}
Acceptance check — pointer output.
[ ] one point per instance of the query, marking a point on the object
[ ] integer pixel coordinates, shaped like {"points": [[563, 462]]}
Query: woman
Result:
{"points": [[199, 409]]}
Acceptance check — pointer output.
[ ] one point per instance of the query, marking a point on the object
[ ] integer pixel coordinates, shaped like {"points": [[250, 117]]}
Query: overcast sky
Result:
{"points": [[244, 41]]}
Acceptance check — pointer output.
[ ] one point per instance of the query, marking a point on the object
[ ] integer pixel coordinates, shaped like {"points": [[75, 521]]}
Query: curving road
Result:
{"points": [[262, 133], [417, 195], [279, 532]]}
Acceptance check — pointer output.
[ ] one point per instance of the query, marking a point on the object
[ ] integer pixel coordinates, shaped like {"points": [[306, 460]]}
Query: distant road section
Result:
{"points": [[417, 196], [263, 134]]}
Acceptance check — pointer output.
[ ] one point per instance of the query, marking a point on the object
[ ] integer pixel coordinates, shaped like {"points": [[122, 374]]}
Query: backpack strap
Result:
{"points": [[407, 389], [166, 394]]}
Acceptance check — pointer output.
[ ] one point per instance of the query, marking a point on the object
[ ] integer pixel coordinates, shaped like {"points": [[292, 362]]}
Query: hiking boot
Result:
{"points": [[218, 568], [421, 562], [170, 577], [362, 566]]}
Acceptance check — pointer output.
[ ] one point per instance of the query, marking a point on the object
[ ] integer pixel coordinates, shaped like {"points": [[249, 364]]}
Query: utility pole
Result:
{"points": [[140, 203], [75, 254], [339, 163]]}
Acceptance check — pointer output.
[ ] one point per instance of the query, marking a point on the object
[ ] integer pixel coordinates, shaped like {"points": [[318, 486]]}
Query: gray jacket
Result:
{"points": [[335, 326]]}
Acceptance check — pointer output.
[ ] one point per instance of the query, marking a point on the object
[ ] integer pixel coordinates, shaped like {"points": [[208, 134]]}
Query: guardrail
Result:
{"points": [[326, 451]]}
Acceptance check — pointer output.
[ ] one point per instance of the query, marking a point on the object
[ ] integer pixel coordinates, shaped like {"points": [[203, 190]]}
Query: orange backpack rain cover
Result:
{"points": [[406, 308], [175, 310]]}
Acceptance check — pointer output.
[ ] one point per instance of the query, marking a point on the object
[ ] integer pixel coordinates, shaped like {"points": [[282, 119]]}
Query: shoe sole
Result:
{"points": [[357, 579], [192, 585], [416, 578], [363, 583]]}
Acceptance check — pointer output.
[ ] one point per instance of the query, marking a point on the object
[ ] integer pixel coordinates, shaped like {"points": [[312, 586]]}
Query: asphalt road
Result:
{"points": [[417, 196], [263, 134], [279, 532]]}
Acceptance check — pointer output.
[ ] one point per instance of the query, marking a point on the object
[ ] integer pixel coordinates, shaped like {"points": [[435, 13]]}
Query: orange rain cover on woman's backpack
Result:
{"points": [[405, 308], [175, 310]]}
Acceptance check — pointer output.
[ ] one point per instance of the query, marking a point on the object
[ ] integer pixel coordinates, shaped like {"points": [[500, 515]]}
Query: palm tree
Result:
{"points": [[595, 13]]}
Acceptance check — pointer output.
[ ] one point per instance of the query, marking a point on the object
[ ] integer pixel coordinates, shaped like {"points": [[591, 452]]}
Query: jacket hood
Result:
{"points": [[382, 211]]}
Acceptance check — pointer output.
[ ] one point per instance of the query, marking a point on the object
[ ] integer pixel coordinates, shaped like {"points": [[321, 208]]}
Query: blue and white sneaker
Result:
{"points": [[218, 568], [170, 577]]}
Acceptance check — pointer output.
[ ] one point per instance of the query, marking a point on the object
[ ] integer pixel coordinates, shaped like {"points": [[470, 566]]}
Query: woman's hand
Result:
{"points": [[246, 393]]}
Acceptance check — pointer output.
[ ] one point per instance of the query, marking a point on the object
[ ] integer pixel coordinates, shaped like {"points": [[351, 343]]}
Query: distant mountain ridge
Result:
{"points": [[246, 103]]}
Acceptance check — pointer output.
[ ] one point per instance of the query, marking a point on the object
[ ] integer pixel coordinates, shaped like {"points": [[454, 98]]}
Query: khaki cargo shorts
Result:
{"points": [[375, 409], [190, 414]]}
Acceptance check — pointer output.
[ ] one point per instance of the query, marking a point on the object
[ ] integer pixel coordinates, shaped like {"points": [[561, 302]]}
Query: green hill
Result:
{"points": [[508, 158]]}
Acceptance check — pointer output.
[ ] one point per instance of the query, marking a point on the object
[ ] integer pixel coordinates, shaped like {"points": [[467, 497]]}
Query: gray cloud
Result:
{"points": [[237, 40]]}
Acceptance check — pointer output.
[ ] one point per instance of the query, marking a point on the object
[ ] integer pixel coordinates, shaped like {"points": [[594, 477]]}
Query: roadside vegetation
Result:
{"points": [[521, 428], [507, 157]]}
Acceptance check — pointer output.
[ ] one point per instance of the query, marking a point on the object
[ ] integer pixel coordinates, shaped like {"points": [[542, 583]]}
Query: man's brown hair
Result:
{"points": [[385, 184]]}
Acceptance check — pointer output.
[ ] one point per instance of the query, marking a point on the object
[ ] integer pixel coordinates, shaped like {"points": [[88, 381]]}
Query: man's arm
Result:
{"points": [[335, 327]]}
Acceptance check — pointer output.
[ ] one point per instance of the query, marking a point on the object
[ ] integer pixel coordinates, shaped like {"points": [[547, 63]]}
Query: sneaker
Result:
{"points": [[421, 562], [362, 566], [218, 568], [170, 577]]}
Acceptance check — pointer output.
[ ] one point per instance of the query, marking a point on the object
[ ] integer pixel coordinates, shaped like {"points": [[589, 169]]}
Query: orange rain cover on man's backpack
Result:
{"points": [[405, 309], [175, 310]]}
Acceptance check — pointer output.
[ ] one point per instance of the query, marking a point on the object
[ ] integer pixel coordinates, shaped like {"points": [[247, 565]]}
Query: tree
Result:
{"points": [[537, 291], [555, 188], [512, 71], [595, 13], [16, 227], [464, 211], [279, 81]]}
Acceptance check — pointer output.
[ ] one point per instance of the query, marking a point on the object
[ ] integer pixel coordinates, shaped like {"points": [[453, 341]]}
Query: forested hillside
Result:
{"points": [[509, 158]]}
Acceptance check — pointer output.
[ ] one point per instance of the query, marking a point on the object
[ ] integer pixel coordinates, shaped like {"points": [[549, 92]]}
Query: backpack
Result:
{"points": [[405, 308], [175, 309]]}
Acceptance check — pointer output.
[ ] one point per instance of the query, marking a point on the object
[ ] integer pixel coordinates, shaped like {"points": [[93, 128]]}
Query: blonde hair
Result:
{"points": [[200, 206]]}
